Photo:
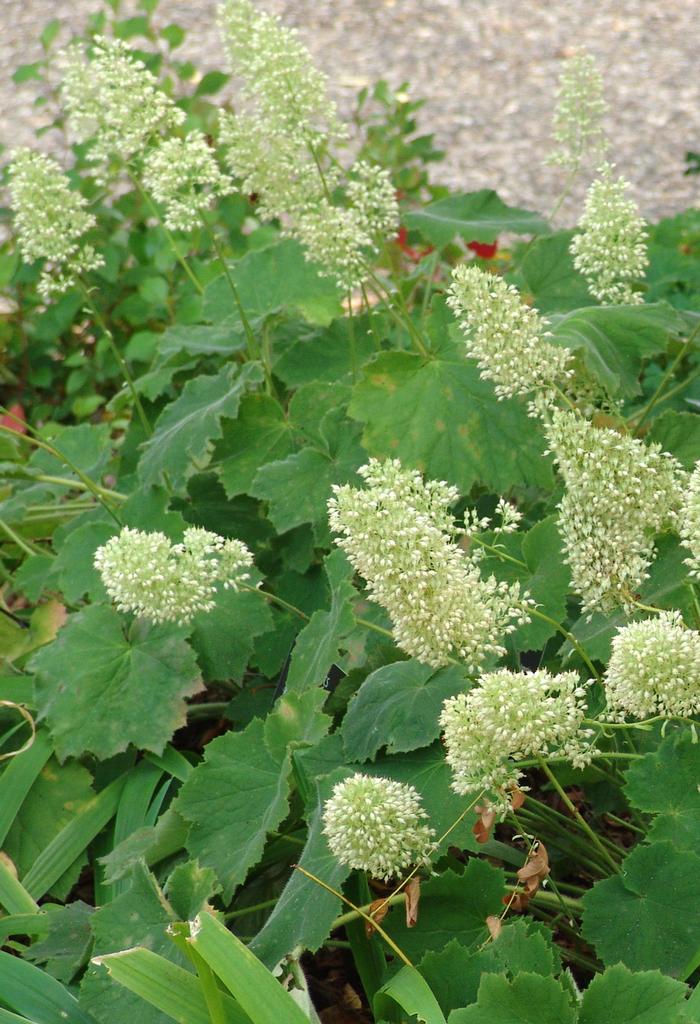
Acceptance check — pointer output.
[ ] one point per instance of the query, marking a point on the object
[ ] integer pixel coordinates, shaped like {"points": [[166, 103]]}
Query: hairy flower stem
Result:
{"points": [[580, 650], [168, 233], [579, 817], [274, 599], [253, 347], [359, 912], [493, 549], [399, 316], [90, 485], [121, 361]]}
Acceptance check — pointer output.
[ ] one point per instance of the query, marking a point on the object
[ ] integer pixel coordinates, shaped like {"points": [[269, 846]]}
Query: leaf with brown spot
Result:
{"points": [[494, 925]]}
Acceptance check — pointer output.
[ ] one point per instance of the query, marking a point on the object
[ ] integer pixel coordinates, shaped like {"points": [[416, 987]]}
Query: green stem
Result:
{"points": [[407, 324], [78, 485], [579, 818], [19, 541], [626, 824], [253, 350], [215, 709], [121, 361], [580, 650], [556, 818], [252, 909], [365, 299], [495, 550], [608, 755], [90, 485], [171, 239], [530, 846], [638, 420]]}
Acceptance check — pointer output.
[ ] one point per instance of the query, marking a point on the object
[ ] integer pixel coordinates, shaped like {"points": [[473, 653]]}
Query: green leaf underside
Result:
{"points": [[615, 340], [474, 216], [182, 438]]}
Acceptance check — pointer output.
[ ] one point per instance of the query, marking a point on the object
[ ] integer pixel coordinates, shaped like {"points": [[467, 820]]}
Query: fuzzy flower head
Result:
{"points": [[580, 108], [654, 669], [507, 338], [610, 246], [399, 534], [279, 143], [184, 176], [690, 522], [50, 218], [114, 100], [377, 825], [511, 716], [341, 239], [618, 493], [287, 121], [145, 573]]}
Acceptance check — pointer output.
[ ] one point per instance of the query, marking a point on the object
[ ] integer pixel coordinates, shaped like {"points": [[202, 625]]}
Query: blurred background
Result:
{"points": [[487, 69]]}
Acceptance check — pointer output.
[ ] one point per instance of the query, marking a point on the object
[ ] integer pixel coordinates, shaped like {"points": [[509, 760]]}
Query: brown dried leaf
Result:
{"points": [[412, 891], [516, 901], [484, 823], [377, 911], [517, 798], [494, 925], [350, 998], [535, 869]]}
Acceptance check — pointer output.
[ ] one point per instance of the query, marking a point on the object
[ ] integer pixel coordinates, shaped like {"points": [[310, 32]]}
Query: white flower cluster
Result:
{"points": [[578, 114], [690, 522], [507, 338], [610, 246], [377, 825], [114, 100], [341, 238], [398, 533], [508, 717], [147, 574], [289, 120], [618, 493], [184, 176], [50, 217], [654, 669], [279, 147]]}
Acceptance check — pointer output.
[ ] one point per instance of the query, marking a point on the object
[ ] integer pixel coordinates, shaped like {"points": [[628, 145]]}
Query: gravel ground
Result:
{"points": [[487, 68]]}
